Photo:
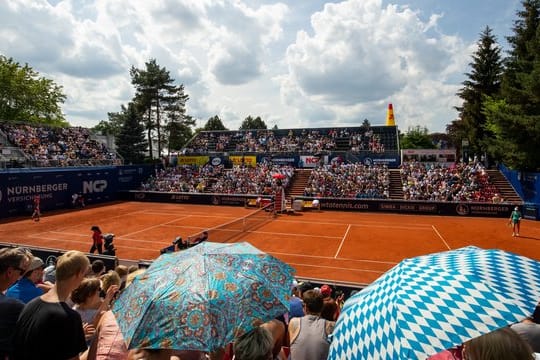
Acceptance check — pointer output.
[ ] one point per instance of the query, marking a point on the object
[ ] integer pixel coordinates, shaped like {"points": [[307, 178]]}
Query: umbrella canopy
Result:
{"points": [[434, 302], [202, 298], [279, 176]]}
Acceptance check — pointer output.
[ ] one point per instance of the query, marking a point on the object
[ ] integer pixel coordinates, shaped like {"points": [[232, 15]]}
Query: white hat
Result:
{"points": [[36, 263]]}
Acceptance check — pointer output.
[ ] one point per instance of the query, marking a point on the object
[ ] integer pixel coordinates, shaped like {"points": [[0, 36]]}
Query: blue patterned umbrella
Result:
{"points": [[202, 298], [434, 302]]}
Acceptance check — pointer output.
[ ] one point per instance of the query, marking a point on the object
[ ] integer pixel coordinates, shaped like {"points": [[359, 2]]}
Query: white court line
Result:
{"points": [[158, 225], [88, 243], [440, 236], [342, 241], [332, 258], [192, 213], [364, 223], [338, 268], [292, 234]]}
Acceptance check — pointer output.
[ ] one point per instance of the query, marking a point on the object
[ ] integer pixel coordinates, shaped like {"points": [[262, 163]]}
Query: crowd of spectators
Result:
{"points": [[261, 179], [349, 181], [71, 319], [58, 146], [459, 182], [312, 141]]}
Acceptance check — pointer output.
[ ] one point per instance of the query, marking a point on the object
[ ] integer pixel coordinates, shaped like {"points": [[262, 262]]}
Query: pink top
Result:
{"points": [[110, 342]]}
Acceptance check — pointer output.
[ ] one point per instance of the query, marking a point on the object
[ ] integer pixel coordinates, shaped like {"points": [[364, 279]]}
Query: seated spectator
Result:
{"points": [[47, 327], [25, 289]]}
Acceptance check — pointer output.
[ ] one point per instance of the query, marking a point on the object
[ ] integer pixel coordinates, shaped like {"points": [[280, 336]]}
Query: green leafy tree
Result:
{"points": [[416, 137], [514, 117], [130, 141], [25, 96], [483, 80], [111, 126], [214, 124], [159, 100], [251, 123]]}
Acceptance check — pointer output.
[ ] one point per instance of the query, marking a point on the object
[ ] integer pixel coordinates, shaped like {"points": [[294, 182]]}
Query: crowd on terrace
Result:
{"points": [[428, 182], [58, 146], [261, 179], [63, 311], [460, 182], [312, 141], [349, 181]]}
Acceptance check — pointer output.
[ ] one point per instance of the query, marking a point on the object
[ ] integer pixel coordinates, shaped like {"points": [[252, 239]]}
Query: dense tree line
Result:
{"points": [[500, 115]]}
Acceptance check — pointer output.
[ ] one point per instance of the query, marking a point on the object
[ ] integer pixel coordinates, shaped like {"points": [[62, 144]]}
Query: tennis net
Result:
{"points": [[236, 228]]}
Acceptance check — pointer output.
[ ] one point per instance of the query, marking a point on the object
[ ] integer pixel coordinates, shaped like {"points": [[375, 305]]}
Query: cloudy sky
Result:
{"points": [[301, 63]]}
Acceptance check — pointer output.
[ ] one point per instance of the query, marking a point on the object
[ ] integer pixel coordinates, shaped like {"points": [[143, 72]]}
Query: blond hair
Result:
{"points": [[70, 264], [121, 270], [108, 279]]}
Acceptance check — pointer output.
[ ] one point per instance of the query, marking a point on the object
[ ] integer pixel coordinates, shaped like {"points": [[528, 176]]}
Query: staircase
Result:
{"points": [[298, 184], [396, 187], [504, 187]]}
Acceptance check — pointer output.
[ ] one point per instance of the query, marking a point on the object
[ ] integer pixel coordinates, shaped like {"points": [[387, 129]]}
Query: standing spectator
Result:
{"points": [[25, 289], [97, 240], [309, 335], [330, 310], [47, 327], [13, 263]]}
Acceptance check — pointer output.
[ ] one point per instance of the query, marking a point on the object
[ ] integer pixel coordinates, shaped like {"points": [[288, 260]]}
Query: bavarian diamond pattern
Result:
{"points": [[434, 302]]}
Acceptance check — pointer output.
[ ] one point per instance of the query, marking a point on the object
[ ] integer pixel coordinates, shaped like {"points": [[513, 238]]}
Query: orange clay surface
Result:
{"points": [[330, 246]]}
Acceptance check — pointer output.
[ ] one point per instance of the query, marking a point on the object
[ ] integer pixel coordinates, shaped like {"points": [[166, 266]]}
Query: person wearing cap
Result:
{"points": [[26, 288], [515, 219], [330, 310]]}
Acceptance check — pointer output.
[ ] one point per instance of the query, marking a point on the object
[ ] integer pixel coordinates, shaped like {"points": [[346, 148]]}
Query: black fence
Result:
{"points": [[360, 205]]}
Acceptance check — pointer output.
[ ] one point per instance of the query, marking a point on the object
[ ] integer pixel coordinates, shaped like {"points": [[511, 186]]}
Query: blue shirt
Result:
{"points": [[24, 290]]}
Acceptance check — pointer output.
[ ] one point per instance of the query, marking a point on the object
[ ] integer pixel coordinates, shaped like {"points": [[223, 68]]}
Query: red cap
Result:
{"points": [[326, 290]]}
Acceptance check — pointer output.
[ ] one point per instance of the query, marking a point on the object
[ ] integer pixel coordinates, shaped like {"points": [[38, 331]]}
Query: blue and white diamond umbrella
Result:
{"points": [[434, 302]]}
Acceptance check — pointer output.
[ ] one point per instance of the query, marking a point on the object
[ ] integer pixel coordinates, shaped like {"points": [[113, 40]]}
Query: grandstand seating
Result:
{"points": [[43, 146], [376, 139]]}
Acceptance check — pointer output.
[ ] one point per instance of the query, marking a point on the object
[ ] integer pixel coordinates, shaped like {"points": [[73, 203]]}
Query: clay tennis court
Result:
{"points": [[331, 246]]}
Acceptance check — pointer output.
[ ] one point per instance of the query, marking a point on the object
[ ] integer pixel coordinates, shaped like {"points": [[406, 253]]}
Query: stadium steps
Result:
{"points": [[505, 188], [298, 184], [396, 187]]}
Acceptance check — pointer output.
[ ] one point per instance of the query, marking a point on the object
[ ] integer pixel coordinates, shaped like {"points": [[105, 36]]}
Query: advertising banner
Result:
{"points": [[247, 160], [55, 188], [192, 160]]}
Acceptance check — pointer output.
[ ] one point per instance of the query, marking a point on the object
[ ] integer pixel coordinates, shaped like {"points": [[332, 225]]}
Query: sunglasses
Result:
{"points": [[21, 271]]}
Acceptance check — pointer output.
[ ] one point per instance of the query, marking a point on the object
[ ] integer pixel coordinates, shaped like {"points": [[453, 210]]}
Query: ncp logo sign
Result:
{"points": [[94, 186]]}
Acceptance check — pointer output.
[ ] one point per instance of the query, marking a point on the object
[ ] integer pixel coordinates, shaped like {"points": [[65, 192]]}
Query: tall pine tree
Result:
{"points": [[483, 80], [514, 118], [130, 142], [158, 99]]}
